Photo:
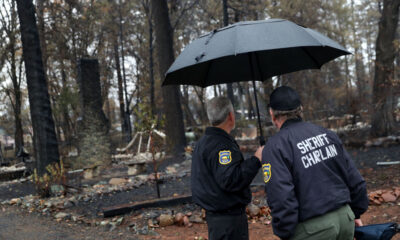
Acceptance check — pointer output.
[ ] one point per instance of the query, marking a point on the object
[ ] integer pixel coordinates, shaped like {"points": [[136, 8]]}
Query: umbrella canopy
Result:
{"points": [[252, 50]]}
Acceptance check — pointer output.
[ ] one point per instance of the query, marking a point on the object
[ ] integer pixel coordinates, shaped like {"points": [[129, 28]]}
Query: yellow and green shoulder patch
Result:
{"points": [[225, 157], [266, 168]]}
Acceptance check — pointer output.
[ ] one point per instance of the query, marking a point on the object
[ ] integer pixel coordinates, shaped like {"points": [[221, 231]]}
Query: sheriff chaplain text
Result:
{"points": [[315, 150]]}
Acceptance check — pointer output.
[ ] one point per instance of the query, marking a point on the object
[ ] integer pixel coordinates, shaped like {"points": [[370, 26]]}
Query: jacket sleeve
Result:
{"points": [[236, 174], [281, 196], [357, 187]]}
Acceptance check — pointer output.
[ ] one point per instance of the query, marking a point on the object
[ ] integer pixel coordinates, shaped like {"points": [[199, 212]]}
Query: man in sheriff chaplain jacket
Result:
{"points": [[313, 188], [220, 175]]}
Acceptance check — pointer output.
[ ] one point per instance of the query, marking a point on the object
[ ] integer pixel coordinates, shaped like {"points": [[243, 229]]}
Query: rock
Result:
{"points": [[187, 222], [57, 190], [397, 191], [151, 224], [179, 219], [171, 170], [195, 218], [68, 204], [166, 220], [62, 215], [87, 199], [117, 181], [119, 221], [389, 197], [104, 223], [144, 230], [253, 210], [113, 226], [15, 201]]}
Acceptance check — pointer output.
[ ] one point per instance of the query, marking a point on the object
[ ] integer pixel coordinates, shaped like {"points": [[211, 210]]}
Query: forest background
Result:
{"points": [[135, 41]]}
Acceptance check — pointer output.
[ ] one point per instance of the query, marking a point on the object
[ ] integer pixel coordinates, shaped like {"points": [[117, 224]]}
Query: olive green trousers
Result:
{"points": [[335, 225]]}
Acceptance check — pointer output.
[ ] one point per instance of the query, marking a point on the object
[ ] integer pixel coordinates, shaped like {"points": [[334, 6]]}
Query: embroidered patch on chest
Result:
{"points": [[266, 168], [225, 157]]}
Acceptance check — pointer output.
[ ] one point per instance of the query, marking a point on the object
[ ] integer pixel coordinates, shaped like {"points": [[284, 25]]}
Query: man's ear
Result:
{"points": [[231, 116], [271, 113]]}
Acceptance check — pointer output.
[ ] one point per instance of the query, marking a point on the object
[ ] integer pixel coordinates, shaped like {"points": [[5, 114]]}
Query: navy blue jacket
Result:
{"points": [[220, 175], [309, 173]]}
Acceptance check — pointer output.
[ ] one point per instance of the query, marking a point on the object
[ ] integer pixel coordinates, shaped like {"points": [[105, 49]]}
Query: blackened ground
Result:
{"points": [[16, 190], [147, 191]]}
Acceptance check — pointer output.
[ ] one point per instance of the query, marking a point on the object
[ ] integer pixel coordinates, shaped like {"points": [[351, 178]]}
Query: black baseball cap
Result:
{"points": [[284, 98]]}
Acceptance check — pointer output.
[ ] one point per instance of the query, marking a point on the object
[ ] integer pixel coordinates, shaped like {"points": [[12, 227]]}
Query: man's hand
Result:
{"points": [[258, 153], [358, 222]]}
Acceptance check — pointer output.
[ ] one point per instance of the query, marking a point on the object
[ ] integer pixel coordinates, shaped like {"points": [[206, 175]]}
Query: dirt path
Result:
{"points": [[16, 224]]}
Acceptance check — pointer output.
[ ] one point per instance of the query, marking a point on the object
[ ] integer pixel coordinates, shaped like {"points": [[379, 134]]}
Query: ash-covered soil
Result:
{"points": [[147, 191]]}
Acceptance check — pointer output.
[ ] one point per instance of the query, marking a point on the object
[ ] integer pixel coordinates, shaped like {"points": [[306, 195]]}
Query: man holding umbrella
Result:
{"points": [[313, 188], [220, 175]]}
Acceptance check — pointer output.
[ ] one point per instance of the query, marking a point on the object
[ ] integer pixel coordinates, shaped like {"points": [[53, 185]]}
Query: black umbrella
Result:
{"points": [[249, 51]]}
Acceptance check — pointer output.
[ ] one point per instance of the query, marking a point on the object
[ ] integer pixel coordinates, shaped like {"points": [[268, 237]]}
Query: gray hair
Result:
{"points": [[290, 114], [218, 109]]}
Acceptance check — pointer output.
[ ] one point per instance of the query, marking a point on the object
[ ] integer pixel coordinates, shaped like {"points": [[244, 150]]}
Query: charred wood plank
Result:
{"points": [[160, 202]]}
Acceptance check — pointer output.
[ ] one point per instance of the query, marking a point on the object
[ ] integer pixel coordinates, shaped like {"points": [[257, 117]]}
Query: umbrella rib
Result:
{"points": [[311, 56]]}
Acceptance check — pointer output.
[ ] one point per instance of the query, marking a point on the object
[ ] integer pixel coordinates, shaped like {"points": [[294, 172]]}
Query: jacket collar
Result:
{"points": [[289, 122], [218, 131]]}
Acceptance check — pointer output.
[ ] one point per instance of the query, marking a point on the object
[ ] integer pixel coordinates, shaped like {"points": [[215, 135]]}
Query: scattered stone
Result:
{"points": [[119, 221], [151, 224], [179, 219], [57, 190], [253, 210], [62, 215], [389, 197], [187, 222], [113, 226], [166, 220], [195, 218], [87, 199], [170, 170], [68, 204], [118, 181], [16, 201], [104, 223], [143, 231]]}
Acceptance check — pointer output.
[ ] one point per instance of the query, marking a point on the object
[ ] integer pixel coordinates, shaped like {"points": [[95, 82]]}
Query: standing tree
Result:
{"points": [[174, 127], [44, 136], [14, 93], [382, 116], [229, 86]]}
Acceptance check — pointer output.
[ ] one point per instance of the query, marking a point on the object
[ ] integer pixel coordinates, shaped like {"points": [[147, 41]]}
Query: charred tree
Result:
{"points": [[124, 127], [44, 136], [127, 117], [174, 127], [229, 86], [94, 140], [382, 115], [14, 93]]}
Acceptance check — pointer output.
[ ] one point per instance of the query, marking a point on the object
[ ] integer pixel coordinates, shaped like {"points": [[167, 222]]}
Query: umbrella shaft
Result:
{"points": [[262, 140]]}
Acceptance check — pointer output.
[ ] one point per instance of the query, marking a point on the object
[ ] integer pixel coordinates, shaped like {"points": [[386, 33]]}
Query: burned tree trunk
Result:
{"points": [[94, 140], [44, 136], [124, 127], [174, 127], [382, 117], [229, 86]]}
